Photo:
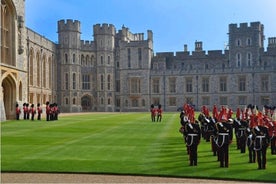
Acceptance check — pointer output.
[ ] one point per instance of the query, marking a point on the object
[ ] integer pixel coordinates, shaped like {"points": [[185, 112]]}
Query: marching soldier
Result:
{"points": [[224, 134], [240, 126], [261, 140], [192, 134]]}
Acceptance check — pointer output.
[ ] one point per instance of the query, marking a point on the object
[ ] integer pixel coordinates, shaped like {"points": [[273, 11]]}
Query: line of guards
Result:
{"points": [[52, 111], [253, 129]]}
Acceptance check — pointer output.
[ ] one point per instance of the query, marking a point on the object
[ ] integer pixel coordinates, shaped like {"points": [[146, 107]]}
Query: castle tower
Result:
{"points": [[69, 70], [104, 37], [245, 43]]}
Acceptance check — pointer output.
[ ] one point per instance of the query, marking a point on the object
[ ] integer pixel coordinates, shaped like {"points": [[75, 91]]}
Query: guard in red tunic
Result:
{"points": [[48, 111], [33, 111], [159, 113], [17, 111], [39, 111], [153, 112], [25, 111]]}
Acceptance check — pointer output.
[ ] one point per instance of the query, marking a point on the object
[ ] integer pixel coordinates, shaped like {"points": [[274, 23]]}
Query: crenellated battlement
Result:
{"points": [[245, 27], [68, 25], [108, 29], [87, 44]]}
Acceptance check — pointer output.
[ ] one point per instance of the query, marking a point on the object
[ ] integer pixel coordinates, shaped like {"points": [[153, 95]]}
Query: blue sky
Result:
{"points": [[173, 22]]}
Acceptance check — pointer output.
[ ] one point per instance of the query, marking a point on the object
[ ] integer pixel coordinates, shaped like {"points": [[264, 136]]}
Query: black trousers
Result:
{"points": [[224, 155], [251, 154], [193, 154], [261, 158], [273, 145]]}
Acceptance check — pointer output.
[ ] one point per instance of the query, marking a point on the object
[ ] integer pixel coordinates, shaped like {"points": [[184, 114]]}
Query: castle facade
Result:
{"points": [[119, 72]]}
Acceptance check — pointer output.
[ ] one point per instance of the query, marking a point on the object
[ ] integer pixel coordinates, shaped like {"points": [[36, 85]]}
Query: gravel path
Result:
{"points": [[95, 178]]}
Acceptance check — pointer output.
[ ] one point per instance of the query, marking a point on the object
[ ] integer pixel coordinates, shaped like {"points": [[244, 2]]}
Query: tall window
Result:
{"points": [[241, 83], [7, 33], [238, 60], [74, 58], [108, 60], [205, 84], [38, 69], [102, 60], [189, 85], [50, 72], [223, 84], [31, 75], [66, 81], [129, 58], [117, 85], [108, 82], [74, 80], [249, 58], [102, 82], [66, 58], [172, 85], [135, 85], [264, 84], [44, 72], [248, 41], [86, 82], [156, 86], [140, 57]]}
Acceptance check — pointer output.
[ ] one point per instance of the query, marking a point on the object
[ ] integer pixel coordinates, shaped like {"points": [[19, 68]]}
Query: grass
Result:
{"points": [[117, 143]]}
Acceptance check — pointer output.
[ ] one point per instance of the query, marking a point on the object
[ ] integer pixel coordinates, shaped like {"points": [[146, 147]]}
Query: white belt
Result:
{"points": [[192, 135], [260, 136], [223, 134], [242, 128]]}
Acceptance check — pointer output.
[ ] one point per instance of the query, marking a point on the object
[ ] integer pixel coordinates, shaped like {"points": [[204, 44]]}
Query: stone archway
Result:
{"points": [[9, 96], [86, 103]]}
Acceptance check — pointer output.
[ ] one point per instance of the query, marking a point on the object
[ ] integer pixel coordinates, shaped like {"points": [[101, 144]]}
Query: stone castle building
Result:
{"points": [[118, 70]]}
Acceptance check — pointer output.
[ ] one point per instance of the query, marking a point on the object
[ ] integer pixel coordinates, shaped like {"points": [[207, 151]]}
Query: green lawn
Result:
{"points": [[117, 143]]}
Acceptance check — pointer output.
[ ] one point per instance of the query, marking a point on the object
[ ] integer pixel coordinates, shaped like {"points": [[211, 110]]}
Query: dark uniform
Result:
{"points": [[240, 127], [192, 136], [224, 135], [261, 140], [250, 145]]}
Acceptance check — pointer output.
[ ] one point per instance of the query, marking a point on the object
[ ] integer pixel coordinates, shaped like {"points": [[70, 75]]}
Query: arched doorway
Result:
{"points": [[9, 96], [86, 103]]}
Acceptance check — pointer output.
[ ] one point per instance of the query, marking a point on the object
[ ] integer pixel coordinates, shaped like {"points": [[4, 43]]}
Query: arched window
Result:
{"points": [[38, 68], [20, 91], [31, 67], [238, 60], [74, 101], [50, 72], [44, 71], [249, 58], [74, 80], [66, 101], [74, 58], [66, 58], [102, 82], [108, 101], [238, 43], [108, 82], [7, 33], [248, 41], [108, 60], [66, 81]]}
